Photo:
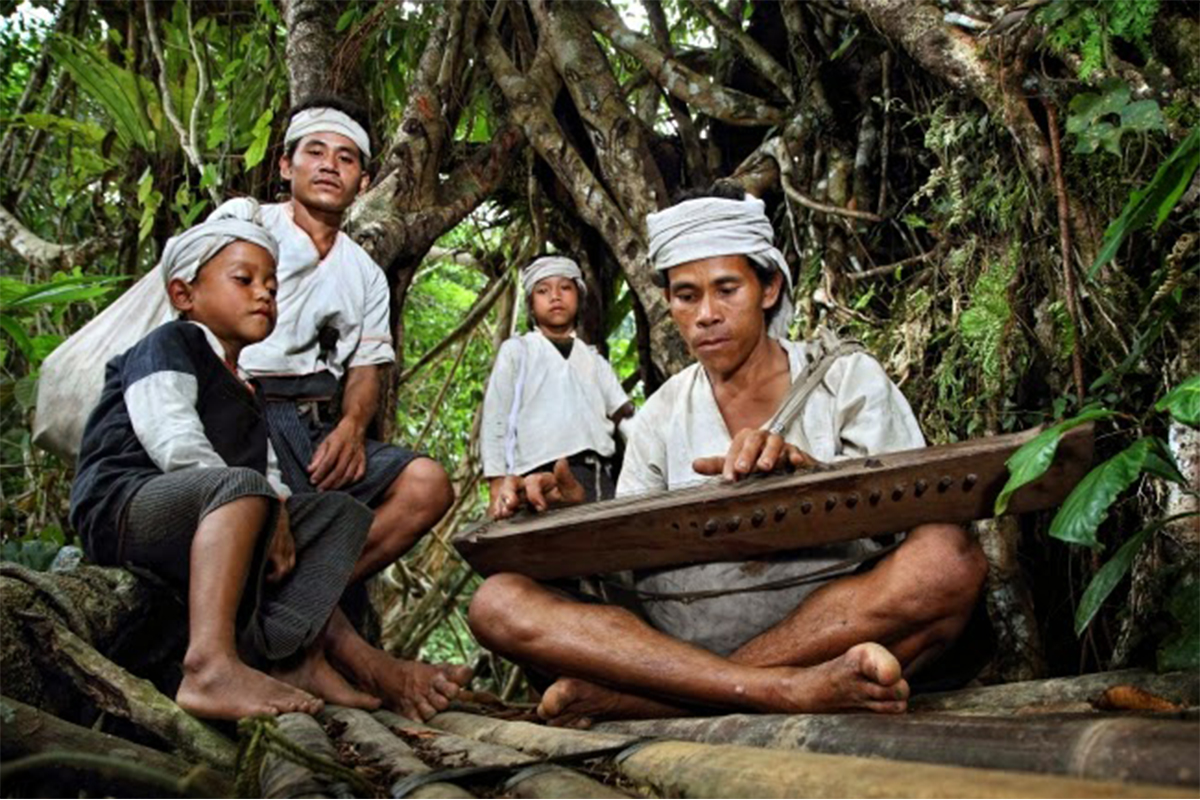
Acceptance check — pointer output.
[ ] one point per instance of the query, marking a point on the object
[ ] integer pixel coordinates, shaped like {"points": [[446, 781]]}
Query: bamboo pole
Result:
{"points": [[1060, 694], [528, 736], [684, 769], [286, 775], [546, 780], [1140, 750], [450, 751], [376, 746]]}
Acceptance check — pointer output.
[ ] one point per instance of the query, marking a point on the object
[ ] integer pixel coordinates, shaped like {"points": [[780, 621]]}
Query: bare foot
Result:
{"points": [[314, 674], [575, 703], [867, 676], [222, 687], [412, 688]]}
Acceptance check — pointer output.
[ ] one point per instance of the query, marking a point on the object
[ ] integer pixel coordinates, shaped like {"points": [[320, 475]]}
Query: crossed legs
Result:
{"points": [[848, 645]]}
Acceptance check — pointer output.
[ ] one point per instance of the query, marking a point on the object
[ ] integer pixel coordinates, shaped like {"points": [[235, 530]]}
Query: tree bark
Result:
{"points": [[311, 43]]}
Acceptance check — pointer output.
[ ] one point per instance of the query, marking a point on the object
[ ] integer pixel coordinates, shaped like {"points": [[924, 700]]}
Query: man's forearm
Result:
{"points": [[360, 398]]}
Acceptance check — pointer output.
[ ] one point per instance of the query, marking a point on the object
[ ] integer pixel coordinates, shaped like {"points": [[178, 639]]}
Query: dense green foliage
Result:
{"points": [[973, 320]]}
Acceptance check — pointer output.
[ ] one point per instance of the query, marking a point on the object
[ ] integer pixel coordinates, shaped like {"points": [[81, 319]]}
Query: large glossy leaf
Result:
{"points": [[1034, 457], [1183, 402], [1107, 578], [123, 94], [69, 290], [1087, 505], [1155, 200]]}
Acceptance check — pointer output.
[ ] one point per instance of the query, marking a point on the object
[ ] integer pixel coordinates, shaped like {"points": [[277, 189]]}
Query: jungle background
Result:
{"points": [[1000, 201]]}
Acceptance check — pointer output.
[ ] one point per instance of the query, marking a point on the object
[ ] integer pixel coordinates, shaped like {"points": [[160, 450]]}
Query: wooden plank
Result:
{"points": [[684, 769], [867, 497], [1120, 748]]}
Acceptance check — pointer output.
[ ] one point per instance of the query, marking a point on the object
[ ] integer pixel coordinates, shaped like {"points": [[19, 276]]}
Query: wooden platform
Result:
{"points": [[1043, 738]]}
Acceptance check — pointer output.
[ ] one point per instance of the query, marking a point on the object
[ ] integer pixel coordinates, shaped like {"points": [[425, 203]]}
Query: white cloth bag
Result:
{"points": [[72, 377]]}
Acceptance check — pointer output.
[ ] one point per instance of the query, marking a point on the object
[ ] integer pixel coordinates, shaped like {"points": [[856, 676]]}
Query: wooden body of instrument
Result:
{"points": [[890, 493]]}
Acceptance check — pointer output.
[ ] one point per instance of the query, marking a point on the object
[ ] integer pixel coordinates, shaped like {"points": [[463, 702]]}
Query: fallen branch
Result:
{"points": [[115, 776], [118, 692], [29, 731], [48, 255]]}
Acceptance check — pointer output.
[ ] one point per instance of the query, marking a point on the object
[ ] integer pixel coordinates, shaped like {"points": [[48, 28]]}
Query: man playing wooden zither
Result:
{"points": [[846, 641]]}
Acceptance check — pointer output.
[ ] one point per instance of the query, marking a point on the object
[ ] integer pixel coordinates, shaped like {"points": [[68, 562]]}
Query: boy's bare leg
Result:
{"points": [[914, 603], [313, 673], [216, 683], [412, 688]]}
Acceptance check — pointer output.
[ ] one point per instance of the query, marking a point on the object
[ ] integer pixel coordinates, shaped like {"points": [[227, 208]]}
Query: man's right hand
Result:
{"points": [[754, 451], [539, 491]]}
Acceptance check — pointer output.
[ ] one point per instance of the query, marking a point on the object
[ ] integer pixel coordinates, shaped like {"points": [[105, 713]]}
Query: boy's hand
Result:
{"points": [[281, 552], [540, 491]]}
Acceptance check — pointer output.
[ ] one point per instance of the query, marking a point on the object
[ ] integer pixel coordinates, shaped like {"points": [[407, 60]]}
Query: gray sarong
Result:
{"points": [[296, 432], [277, 620]]}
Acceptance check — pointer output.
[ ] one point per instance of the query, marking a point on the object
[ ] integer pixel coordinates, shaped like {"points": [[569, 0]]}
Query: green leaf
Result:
{"points": [[1155, 200], [25, 392], [1182, 650], [145, 186], [17, 332], [69, 290], [1087, 505], [1034, 457], [35, 554], [262, 138], [1183, 402], [1144, 115], [1107, 578], [123, 94], [345, 19]]}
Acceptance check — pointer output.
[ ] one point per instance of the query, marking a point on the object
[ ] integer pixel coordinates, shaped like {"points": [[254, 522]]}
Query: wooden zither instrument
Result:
{"points": [[728, 522]]}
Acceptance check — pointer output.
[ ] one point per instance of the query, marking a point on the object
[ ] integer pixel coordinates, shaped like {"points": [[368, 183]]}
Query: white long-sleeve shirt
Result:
{"points": [[565, 405], [855, 412]]}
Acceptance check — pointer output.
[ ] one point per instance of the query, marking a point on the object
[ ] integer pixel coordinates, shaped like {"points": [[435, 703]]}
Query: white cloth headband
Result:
{"points": [[327, 120], [708, 227], [552, 267], [234, 221]]}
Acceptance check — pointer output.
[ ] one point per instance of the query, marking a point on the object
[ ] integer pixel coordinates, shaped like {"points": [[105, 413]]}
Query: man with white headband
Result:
{"points": [[827, 635], [552, 400], [334, 334]]}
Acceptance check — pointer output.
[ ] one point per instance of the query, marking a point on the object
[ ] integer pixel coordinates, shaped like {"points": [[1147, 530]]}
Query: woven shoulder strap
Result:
{"points": [[807, 382]]}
